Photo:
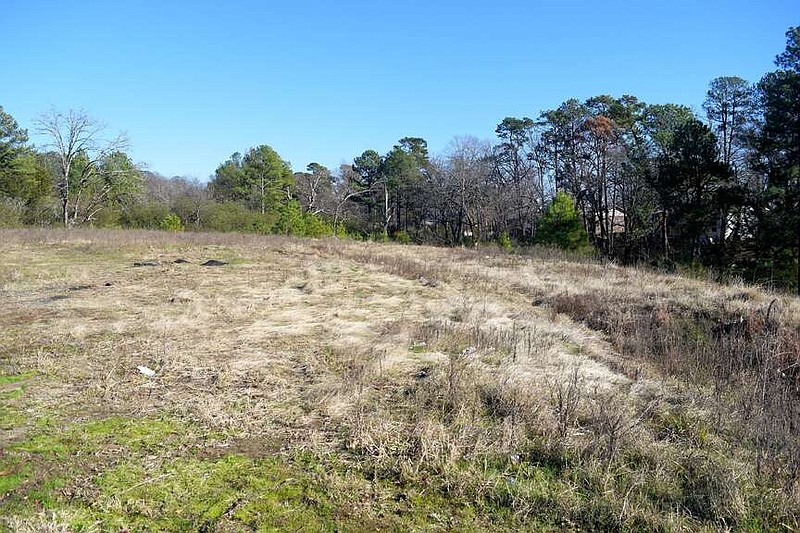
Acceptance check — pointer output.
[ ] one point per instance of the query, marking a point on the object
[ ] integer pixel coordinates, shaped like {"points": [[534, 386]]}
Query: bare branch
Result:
{"points": [[76, 138]]}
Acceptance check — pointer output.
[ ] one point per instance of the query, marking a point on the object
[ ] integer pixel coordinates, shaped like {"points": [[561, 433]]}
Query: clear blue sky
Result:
{"points": [[191, 82]]}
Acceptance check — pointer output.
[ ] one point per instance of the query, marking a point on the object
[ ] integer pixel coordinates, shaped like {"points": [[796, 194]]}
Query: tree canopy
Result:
{"points": [[640, 182]]}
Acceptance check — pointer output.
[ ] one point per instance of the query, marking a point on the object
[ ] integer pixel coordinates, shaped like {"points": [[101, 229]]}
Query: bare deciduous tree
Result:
{"points": [[79, 149], [313, 188], [466, 167]]}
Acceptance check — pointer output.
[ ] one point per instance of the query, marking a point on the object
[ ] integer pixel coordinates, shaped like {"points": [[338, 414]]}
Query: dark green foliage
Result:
{"points": [[778, 207], [314, 226], [12, 142], [561, 226], [390, 189], [293, 221], [256, 194], [405, 169], [789, 60], [27, 179], [260, 180], [402, 237], [25, 184], [690, 182], [661, 121]]}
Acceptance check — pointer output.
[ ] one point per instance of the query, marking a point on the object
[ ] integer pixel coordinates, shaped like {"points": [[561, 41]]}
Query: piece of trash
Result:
{"points": [[146, 371], [418, 347], [428, 282], [214, 263], [181, 260]]}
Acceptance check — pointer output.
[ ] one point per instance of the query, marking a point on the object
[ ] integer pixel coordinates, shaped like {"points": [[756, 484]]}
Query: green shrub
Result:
{"points": [[146, 215], [290, 219], [505, 241], [402, 237], [231, 216], [171, 222], [561, 226], [314, 226]]}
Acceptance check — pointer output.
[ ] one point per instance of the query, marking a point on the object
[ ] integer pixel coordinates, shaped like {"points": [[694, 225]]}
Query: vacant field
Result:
{"points": [[333, 385]]}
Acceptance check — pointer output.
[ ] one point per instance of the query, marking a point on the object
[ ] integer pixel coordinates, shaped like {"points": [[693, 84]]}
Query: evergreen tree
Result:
{"points": [[778, 149], [561, 226]]}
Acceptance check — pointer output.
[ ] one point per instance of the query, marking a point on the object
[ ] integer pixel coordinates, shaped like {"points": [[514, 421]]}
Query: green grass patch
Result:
{"points": [[11, 394], [10, 416], [192, 494], [12, 474], [54, 467], [147, 435], [15, 378]]}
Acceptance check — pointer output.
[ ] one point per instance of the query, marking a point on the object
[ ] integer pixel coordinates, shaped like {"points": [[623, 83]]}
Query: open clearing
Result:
{"points": [[334, 385]]}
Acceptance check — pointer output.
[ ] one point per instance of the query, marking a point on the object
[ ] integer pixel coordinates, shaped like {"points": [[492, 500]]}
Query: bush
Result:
{"points": [[11, 212], [505, 241], [402, 237], [561, 226], [315, 226], [171, 222], [293, 221], [290, 220], [231, 216], [148, 215]]}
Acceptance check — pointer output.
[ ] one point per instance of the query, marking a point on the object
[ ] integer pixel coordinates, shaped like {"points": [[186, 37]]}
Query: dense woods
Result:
{"points": [[637, 182]]}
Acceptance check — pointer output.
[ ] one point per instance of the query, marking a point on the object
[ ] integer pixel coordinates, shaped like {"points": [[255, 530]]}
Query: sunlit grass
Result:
{"points": [[332, 385]]}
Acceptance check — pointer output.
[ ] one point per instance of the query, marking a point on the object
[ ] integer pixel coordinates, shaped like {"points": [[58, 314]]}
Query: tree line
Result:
{"points": [[634, 181]]}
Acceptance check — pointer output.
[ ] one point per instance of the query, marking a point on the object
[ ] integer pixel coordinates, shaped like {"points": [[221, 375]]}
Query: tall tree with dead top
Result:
{"points": [[76, 141]]}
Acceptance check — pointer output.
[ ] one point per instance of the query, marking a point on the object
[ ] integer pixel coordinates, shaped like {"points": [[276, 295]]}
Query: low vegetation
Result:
{"points": [[333, 385]]}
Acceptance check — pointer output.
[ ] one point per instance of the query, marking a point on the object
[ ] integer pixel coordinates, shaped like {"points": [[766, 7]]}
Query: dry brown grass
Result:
{"points": [[410, 361]]}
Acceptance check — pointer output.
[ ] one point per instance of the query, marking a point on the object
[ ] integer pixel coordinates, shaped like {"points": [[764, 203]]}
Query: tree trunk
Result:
{"points": [[797, 255], [65, 210], [386, 210]]}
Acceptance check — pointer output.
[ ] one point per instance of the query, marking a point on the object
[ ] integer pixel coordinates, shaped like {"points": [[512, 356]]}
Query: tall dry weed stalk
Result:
{"points": [[565, 396]]}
